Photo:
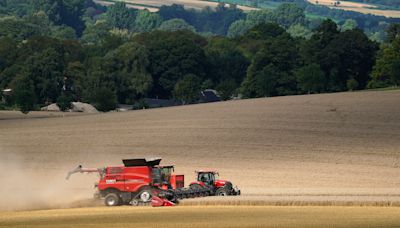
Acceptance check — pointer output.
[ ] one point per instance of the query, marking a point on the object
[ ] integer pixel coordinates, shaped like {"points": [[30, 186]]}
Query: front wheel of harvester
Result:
{"points": [[145, 195], [111, 199], [221, 192]]}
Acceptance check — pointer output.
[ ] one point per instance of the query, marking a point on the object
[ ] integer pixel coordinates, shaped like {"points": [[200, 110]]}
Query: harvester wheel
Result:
{"points": [[111, 199], [135, 202], [221, 192], [145, 195]]}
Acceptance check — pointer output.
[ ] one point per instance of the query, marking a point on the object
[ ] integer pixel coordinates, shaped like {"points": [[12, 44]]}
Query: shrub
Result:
{"points": [[64, 103], [105, 99], [352, 84]]}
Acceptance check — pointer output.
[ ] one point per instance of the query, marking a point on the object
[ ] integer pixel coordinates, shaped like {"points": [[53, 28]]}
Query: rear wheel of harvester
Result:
{"points": [[221, 192], [111, 199]]}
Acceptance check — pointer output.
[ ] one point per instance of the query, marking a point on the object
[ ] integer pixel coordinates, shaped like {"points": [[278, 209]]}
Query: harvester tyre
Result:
{"points": [[221, 192], [145, 195], [111, 199]]}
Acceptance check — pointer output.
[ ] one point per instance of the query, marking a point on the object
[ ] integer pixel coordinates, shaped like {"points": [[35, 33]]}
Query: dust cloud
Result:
{"points": [[28, 187]]}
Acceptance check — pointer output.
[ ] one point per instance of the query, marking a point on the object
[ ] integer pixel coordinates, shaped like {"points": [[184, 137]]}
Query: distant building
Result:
{"points": [[209, 95], [4, 94], [155, 103]]}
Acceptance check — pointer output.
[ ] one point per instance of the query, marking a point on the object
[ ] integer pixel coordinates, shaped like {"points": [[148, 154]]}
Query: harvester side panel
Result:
{"points": [[177, 181], [126, 179], [137, 177]]}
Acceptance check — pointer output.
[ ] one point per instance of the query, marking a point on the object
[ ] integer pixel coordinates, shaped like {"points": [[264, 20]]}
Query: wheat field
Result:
{"points": [[341, 147], [337, 150], [218, 216]]}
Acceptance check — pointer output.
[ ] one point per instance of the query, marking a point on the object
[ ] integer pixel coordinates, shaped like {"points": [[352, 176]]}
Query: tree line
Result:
{"points": [[110, 65]]}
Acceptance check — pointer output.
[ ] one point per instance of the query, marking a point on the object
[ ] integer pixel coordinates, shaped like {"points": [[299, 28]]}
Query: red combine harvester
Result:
{"points": [[142, 181]]}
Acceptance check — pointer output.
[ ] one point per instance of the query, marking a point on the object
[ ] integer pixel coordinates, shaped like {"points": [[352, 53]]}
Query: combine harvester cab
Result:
{"points": [[144, 181]]}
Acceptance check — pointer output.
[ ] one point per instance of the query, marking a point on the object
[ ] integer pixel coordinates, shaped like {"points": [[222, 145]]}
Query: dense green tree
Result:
{"points": [[357, 56], [386, 71], [341, 55], [265, 31], [238, 28], [119, 16], [8, 52], [75, 73], [175, 25], [64, 102], [24, 94], [310, 78], [96, 33], [45, 69], [9, 74], [18, 29], [105, 99], [392, 32], [207, 20], [187, 89], [299, 31], [270, 72], [289, 14], [63, 33], [63, 12], [349, 24], [352, 84], [173, 55], [227, 65], [257, 17], [147, 21], [227, 88], [128, 66], [262, 83]]}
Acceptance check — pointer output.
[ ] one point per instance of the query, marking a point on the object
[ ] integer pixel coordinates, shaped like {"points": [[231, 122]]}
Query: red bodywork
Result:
{"points": [[139, 179], [217, 183], [177, 181], [126, 179], [159, 202]]}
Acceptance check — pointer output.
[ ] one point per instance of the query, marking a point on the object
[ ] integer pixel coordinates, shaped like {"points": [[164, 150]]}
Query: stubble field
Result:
{"points": [[329, 149]]}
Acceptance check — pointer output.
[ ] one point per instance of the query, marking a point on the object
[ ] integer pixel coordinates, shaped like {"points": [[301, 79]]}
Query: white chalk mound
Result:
{"points": [[76, 107], [83, 107], [51, 108]]}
